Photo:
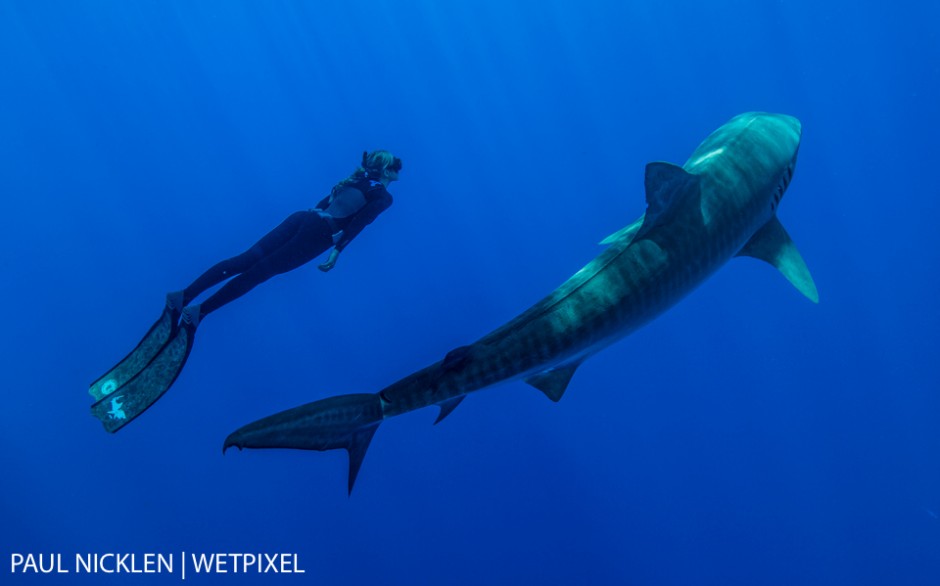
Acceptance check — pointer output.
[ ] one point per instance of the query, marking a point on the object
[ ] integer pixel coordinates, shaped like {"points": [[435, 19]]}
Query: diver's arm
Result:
{"points": [[330, 262], [378, 204], [324, 203]]}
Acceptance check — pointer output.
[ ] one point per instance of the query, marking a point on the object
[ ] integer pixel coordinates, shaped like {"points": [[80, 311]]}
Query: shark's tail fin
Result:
{"points": [[347, 422]]}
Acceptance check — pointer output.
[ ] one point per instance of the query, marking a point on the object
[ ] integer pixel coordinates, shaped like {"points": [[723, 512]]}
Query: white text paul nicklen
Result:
{"points": [[156, 563]]}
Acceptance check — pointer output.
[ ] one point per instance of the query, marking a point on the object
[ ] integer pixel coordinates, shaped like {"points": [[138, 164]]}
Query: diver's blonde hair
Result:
{"points": [[372, 166]]}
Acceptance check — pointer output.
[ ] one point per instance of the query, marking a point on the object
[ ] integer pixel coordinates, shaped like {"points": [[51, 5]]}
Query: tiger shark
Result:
{"points": [[720, 204]]}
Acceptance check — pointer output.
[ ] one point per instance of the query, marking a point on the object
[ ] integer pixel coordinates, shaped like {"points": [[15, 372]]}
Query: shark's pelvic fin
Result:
{"points": [[772, 244], [667, 187], [447, 407], [358, 444], [554, 382]]}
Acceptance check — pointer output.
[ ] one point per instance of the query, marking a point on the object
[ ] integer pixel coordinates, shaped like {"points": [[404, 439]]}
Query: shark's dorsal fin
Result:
{"points": [[554, 382], [447, 407], [358, 444], [772, 244], [667, 185]]}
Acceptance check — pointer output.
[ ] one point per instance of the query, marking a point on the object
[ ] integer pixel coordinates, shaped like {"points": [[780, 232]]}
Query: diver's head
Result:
{"points": [[381, 165]]}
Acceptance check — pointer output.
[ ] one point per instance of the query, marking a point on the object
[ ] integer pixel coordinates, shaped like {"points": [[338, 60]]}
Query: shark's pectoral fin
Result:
{"points": [[554, 382], [625, 234], [668, 187], [447, 407], [772, 244], [358, 444]]}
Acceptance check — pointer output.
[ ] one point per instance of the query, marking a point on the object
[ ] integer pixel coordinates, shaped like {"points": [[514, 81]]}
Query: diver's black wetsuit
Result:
{"points": [[303, 236]]}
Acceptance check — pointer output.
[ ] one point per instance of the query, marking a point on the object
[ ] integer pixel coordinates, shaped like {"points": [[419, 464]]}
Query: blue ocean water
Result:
{"points": [[747, 436]]}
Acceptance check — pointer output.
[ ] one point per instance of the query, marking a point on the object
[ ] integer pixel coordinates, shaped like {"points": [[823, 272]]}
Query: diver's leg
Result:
{"points": [[219, 272], [313, 237]]}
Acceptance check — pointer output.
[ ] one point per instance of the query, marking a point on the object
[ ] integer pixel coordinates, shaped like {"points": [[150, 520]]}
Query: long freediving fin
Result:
{"points": [[138, 359], [123, 404]]}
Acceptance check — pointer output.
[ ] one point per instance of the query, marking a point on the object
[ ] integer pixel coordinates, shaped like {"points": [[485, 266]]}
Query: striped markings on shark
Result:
{"points": [[720, 204]]}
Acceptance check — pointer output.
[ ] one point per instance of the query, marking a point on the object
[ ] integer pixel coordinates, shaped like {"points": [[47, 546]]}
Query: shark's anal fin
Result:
{"points": [[447, 407], [773, 245], [358, 444], [554, 382]]}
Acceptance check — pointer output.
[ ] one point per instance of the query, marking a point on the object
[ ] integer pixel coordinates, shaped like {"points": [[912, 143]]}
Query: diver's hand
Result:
{"points": [[330, 262]]}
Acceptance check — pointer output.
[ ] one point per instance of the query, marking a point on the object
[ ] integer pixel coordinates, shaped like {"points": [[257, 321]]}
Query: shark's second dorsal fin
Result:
{"points": [[457, 357], [667, 185], [554, 382], [772, 244]]}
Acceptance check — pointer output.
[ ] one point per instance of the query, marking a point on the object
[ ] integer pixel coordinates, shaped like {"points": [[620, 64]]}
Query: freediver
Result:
{"points": [[352, 204], [144, 375]]}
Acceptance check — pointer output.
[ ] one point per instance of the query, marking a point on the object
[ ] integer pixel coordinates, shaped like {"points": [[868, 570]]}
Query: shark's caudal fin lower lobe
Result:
{"points": [[356, 448]]}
